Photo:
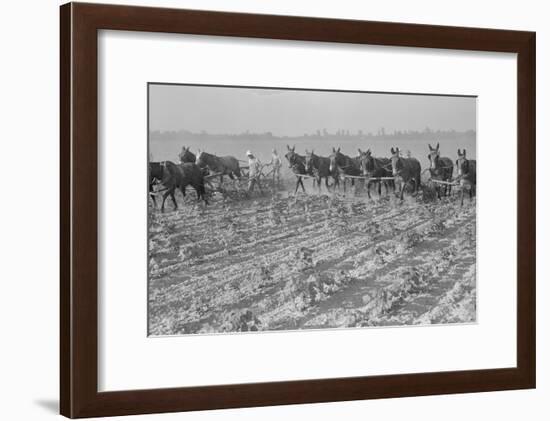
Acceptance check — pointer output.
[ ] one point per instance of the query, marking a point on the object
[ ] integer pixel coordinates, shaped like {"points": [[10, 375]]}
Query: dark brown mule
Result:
{"points": [[441, 168], [223, 165], [407, 169], [374, 168], [193, 176], [169, 175], [344, 165], [297, 163], [186, 155], [319, 166], [172, 176], [466, 174], [155, 174]]}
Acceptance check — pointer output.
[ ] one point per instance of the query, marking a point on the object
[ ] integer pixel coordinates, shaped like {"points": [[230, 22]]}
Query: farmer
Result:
{"points": [[277, 164], [254, 169]]}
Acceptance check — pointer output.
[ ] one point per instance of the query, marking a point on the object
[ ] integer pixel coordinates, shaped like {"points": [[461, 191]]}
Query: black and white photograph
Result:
{"points": [[278, 209]]}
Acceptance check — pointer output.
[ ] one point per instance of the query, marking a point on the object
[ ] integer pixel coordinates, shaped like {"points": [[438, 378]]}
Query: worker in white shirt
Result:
{"points": [[277, 164], [254, 170]]}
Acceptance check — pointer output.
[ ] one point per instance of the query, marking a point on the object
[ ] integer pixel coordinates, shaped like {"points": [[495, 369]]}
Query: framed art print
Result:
{"points": [[263, 210]]}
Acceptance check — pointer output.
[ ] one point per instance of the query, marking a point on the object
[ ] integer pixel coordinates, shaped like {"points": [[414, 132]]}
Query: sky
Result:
{"points": [[292, 112]]}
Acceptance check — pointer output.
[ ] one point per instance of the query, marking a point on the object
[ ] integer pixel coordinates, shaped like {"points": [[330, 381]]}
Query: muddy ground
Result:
{"points": [[283, 262]]}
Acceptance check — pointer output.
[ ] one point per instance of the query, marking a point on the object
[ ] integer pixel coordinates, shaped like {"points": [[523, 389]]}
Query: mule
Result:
{"points": [[155, 174], [186, 155], [169, 175], [194, 177], [406, 169], [223, 165], [376, 167], [297, 163], [319, 166], [344, 165], [466, 169], [441, 168]]}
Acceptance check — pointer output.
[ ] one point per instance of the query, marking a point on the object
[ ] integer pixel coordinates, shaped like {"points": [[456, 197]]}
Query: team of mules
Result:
{"points": [[337, 167]]}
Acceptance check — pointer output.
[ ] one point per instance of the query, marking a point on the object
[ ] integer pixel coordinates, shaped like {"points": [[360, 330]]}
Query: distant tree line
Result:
{"points": [[426, 134]]}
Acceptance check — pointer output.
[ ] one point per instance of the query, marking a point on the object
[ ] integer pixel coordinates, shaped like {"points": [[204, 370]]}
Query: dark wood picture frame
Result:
{"points": [[79, 25]]}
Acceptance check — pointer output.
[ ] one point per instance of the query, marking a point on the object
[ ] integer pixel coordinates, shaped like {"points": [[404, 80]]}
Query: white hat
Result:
{"points": [[248, 153]]}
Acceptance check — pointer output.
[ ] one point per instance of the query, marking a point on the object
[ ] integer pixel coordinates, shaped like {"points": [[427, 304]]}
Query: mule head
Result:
{"points": [[462, 164], [396, 162], [433, 156], [200, 159], [291, 156], [186, 155], [332, 158], [309, 160], [366, 161]]}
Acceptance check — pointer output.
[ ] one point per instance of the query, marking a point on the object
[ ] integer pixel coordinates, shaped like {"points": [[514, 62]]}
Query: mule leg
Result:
{"points": [[259, 185], [336, 183], [152, 196], [164, 196], [326, 184], [302, 184], [298, 179], [203, 194], [182, 189], [173, 196]]}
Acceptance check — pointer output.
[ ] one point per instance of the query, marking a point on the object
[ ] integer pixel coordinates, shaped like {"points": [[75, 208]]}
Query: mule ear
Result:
{"points": [[430, 146], [359, 150], [288, 147], [368, 151], [338, 149], [293, 148], [464, 153], [333, 149], [458, 151], [392, 151], [437, 146]]}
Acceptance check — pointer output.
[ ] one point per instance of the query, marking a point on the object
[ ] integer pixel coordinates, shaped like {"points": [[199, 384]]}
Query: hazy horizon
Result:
{"points": [[235, 110]]}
